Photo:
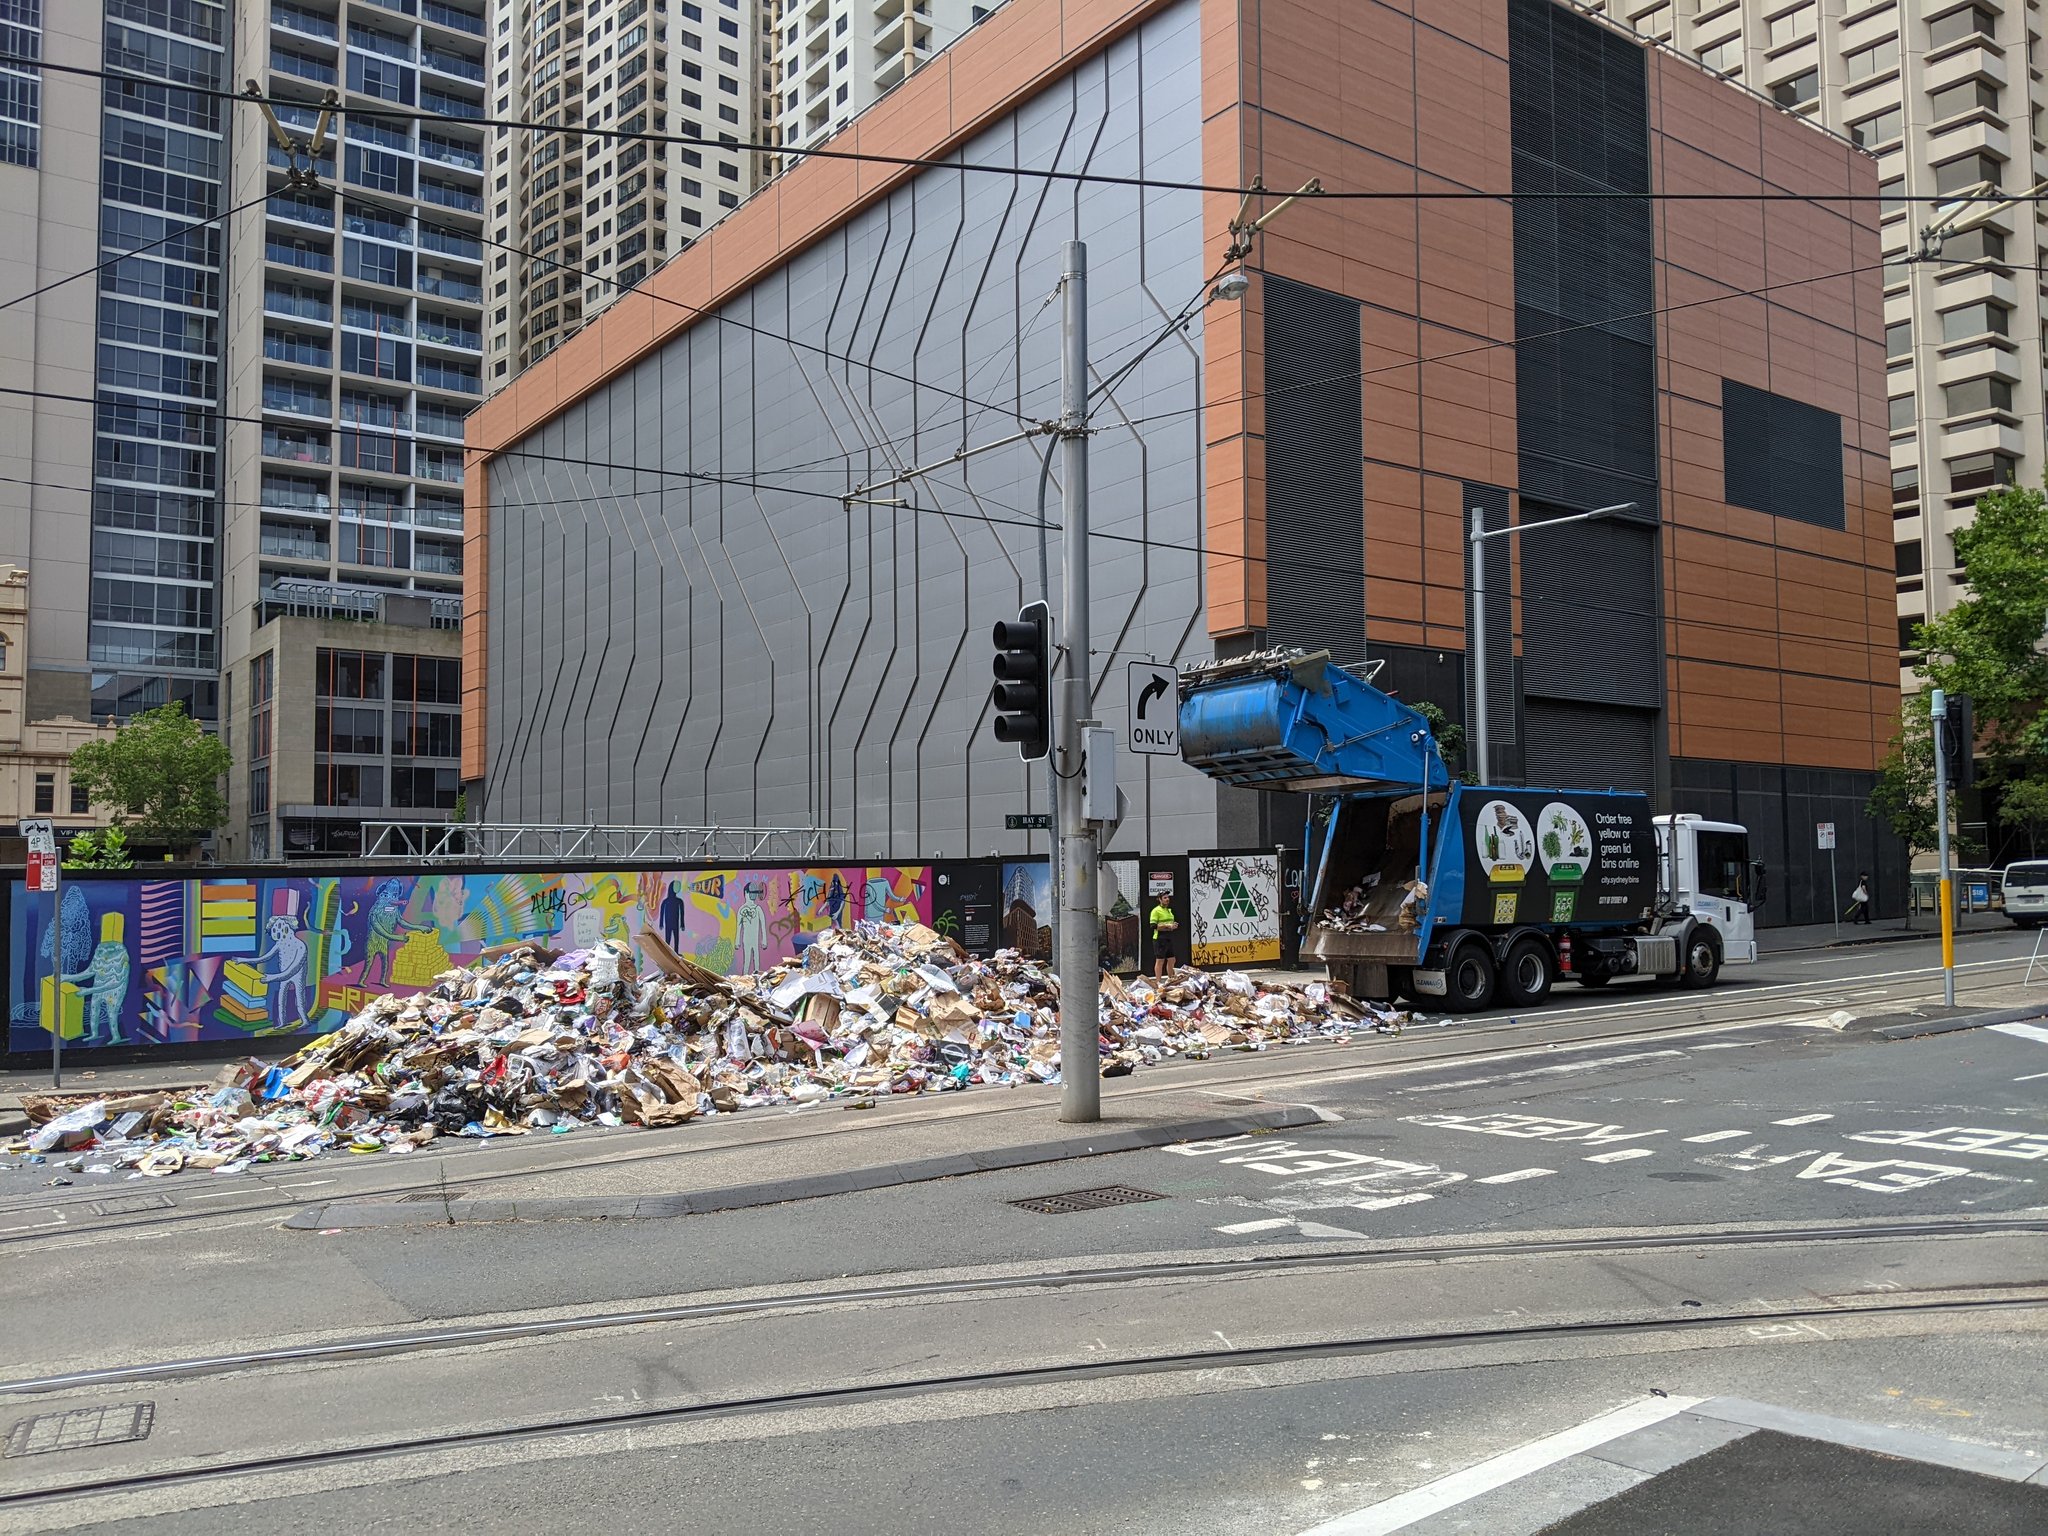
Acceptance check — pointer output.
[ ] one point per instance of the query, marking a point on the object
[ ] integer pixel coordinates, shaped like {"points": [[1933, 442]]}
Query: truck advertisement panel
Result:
{"points": [[1543, 856]]}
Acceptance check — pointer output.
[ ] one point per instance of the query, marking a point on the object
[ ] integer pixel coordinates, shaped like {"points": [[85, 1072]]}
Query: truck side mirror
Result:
{"points": [[1759, 885]]}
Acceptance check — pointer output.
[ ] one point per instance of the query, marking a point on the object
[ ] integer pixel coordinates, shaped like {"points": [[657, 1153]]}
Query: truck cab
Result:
{"points": [[1713, 878]]}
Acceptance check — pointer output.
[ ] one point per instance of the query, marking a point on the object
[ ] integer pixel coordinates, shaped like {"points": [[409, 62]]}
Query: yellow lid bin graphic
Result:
{"points": [[1565, 844], [1507, 849]]}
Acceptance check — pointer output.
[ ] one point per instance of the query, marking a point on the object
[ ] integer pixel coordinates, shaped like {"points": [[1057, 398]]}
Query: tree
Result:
{"points": [[2024, 805], [1450, 739], [98, 850], [1904, 799], [160, 774], [1989, 644]]}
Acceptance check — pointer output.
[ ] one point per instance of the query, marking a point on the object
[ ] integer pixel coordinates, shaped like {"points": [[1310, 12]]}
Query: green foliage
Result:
{"points": [[2024, 804], [98, 850], [1450, 740], [160, 773], [1904, 799], [461, 812]]}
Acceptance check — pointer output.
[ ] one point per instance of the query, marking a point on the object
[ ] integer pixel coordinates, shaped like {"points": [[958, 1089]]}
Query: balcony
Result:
{"points": [[464, 338], [281, 161], [439, 421], [446, 469], [305, 23], [298, 447], [451, 64], [433, 375], [446, 196], [451, 288], [448, 16], [299, 306], [294, 546], [450, 152], [295, 499], [301, 66], [279, 348], [449, 106], [446, 519], [285, 253], [295, 399], [436, 559], [301, 210]]}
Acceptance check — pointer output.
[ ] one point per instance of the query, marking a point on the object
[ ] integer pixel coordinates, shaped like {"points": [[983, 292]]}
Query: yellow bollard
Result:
{"points": [[1948, 924]]}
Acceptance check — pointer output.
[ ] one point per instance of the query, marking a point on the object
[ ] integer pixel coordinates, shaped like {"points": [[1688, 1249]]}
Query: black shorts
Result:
{"points": [[1166, 946]]}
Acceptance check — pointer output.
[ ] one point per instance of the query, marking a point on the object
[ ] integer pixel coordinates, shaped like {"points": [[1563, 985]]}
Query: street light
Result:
{"points": [[1480, 534]]}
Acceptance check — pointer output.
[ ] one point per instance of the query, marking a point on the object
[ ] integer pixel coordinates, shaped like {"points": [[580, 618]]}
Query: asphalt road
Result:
{"points": [[1467, 1256]]}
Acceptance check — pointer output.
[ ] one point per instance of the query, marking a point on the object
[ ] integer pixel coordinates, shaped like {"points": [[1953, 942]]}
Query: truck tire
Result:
{"points": [[1702, 957], [1469, 977], [1526, 977]]}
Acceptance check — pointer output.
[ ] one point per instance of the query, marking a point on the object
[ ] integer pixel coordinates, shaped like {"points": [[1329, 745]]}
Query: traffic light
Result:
{"points": [[1023, 691], [1959, 742]]}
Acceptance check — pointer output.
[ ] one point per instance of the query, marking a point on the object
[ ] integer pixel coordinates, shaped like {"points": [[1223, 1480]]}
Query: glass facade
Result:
{"points": [[154, 633]]}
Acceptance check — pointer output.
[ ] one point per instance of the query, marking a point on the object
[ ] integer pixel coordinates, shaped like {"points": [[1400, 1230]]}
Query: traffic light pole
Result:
{"points": [[1077, 936]]}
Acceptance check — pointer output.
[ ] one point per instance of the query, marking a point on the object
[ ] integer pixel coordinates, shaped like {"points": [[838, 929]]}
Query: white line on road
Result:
{"points": [[1517, 1176], [306, 1184], [1718, 1136], [1388, 1202], [1721, 1045], [2023, 1031], [1317, 1229], [223, 1194], [1803, 1120], [56, 1220], [1620, 1157], [1406, 1509], [1238, 1229], [2030, 1077]]}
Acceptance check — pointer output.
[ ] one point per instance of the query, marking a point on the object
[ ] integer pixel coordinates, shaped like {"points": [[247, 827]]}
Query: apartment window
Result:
{"points": [[1981, 471], [1880, 129], [80, 804], [46, 793], [1891, 197], [1957, 25], [1906, 491], [1980, 244], [1975, 320], [348, 674], [1906, 558], [1797, 91], [1901, 412], [1874, 60], [728, 200], [1898, 339], [729, 171], [1969, 171], [347, 784], [1970, 96], [1973, 395], [1725, 55], [1791, 26]]}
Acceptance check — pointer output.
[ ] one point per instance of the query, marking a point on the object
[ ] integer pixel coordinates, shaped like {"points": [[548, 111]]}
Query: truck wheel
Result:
{"points": [[1702, 958], [1525, 979], [1468, 979]]}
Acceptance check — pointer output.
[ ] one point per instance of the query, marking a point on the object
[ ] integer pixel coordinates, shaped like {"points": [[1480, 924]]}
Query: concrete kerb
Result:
{"points": [[1083, 1142]]}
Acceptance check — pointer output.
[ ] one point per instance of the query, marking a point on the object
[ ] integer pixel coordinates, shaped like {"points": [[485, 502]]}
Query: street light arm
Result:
{"points": [[1970, 215], [1479, 533]]}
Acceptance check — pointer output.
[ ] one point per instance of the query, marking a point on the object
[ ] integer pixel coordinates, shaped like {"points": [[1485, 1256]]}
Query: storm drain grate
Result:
{"points": [[1085, 1200], [81, 1428], [128, 1205], [435, 1195]]}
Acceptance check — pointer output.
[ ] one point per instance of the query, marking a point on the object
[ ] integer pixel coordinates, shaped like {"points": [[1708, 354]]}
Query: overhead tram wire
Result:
{"points": [[140, 250], [1094, 178]]}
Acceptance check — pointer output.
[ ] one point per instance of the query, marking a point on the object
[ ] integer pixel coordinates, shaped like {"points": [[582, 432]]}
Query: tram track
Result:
{"points": [[159, 1478], [1234, 1265]]}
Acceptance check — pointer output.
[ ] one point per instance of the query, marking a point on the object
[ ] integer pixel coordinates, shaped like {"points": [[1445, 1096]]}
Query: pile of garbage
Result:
{"points": [[1370, 907], [529, 1041]]}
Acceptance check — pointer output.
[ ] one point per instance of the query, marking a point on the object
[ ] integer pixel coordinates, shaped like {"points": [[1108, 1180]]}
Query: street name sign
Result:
{"points": [[1035, 821], [1152, 714]]}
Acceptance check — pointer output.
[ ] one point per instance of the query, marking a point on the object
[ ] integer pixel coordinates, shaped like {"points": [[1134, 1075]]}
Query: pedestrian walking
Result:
{"points": [[1859, 900], [1165, 935]]}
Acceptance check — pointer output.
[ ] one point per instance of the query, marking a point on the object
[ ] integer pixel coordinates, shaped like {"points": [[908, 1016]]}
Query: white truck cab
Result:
{"points": [[1713, 877]]}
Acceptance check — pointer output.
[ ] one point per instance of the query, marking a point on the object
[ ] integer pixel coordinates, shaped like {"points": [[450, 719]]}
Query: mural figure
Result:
{"points": [[103, 984], [288, 981], [387, 926], [750, 930], [835, 900], [673, 914]]}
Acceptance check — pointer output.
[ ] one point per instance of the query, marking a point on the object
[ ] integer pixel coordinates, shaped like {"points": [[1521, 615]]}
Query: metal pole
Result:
{"points": [[1078, 940], [1834, 890], [1938, 708], [56, 895], [1481, 765]]}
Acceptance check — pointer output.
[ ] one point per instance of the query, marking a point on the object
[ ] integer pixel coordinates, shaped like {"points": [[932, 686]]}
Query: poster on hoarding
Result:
{"points": [[1234, 901]]}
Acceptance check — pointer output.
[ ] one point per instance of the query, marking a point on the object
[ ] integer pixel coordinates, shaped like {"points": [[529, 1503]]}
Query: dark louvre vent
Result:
{"points": [[1781, 456], [1315, 474], [1590, 746]]}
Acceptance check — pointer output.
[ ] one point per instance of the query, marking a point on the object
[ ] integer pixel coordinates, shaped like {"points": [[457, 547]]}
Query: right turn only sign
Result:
{"points": [[1152, 709]]}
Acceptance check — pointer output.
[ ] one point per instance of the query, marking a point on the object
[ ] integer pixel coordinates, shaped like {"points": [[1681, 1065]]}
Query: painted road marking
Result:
{"points": [[1717, 1136], [1559, 1069], [2023, 1031], [1964, 1138], [2031, 1077], [1387, 1202], [1317, 1229], [1721, 1045], [1532, 1128], [56, 1220], [1238, 1229], [223, 1194], [1406, 1509], [1620, 1157], [1517, 1176], [1803, 1120]]}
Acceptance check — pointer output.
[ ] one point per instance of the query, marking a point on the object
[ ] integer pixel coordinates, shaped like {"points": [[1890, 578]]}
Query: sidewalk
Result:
{"points": [[1885, 930]]}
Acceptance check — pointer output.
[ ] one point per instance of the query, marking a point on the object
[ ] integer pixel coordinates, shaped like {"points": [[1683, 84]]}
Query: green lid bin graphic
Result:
{"points": [[1566, 845]]}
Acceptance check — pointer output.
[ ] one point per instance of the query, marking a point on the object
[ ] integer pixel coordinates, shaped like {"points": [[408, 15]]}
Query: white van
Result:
{"points": [[2026, 893]]}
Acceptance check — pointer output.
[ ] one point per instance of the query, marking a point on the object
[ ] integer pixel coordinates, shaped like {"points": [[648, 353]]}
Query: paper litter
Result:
{"points": [[527, 1040]]}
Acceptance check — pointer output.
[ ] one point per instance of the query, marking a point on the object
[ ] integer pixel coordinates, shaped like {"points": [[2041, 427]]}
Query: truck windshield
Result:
{"points": [[1724, 865], [2026, 877]]}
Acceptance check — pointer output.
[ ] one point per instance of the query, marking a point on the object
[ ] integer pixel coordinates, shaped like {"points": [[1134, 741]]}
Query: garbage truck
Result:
{"points": [[1429, 890]]}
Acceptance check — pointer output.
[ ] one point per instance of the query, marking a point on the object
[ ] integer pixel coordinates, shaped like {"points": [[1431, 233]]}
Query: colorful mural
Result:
{"points": [[147, 962]]}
